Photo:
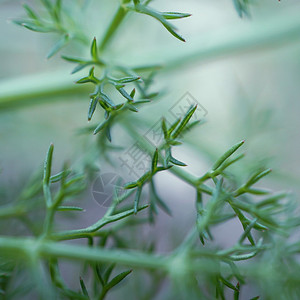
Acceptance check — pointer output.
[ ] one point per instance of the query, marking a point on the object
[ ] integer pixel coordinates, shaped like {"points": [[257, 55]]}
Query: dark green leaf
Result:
{"points": [[132, 93], [173, 126], [94, 51], [183, 122], [69, 208], [59, 176], [177, 162], [117, 279], [142, 101], [137, 199], [258, 191], [92, 107], [131, 185], [33, 26], [83, 288], [74, 60], [257, 176], [174, 15], [128, 79], [228, 283], [108, 272], [164, 128], [226, 155], [90, 78], [174, 143], [125, 94], [106, 99], [154, 161], [48, 164]]}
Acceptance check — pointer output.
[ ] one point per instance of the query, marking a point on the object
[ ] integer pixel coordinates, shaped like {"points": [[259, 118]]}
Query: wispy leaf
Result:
{"points": [[58, 45]]}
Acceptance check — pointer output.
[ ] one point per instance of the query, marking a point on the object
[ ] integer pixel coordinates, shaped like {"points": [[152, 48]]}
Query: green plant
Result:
{"points": [[197, 268]]}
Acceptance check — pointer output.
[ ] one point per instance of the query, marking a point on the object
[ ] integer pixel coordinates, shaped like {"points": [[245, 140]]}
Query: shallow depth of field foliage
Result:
{"points": [[201, 220]]}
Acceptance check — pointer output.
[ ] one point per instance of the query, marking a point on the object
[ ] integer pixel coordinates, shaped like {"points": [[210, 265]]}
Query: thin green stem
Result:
{"points": [[38, 88], [48, 221], [13, 211], [92, 230], [112, 28], [23, 247]]}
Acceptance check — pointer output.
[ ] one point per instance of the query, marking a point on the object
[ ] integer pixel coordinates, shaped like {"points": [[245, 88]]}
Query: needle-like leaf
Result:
{"points": [[174, 15], [94, 50], [183, 122], [226, 155], [83, 288]]}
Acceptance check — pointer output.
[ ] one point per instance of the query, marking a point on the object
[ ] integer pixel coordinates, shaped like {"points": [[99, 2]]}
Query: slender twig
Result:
{"points": [[115, 23]]}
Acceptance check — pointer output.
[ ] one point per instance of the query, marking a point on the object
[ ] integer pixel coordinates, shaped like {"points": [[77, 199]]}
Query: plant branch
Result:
{"points": [[24, 247], [38, 88], [112, 28]]}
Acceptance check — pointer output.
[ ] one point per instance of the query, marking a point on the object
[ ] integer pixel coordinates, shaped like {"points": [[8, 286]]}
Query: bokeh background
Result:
{"points": [[252, 94]]}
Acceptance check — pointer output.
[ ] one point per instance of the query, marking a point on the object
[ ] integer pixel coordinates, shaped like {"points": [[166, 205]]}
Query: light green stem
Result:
{"points": [[234, 40], [26, 247], [38, 88], [115, 23]]}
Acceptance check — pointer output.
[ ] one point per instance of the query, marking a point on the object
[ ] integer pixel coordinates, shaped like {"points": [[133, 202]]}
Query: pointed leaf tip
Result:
{"points": [[94, 51]]}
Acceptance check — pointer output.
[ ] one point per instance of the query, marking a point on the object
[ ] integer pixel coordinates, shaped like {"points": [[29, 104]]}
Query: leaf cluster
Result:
{"points": [[53, 20]]}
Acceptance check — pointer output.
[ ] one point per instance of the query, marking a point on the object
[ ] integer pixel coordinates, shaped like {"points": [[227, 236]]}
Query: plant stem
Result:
{"points": [[92, 230], [12, 211], [38, 88], [112, 28], [20, 247], [26, 248]]}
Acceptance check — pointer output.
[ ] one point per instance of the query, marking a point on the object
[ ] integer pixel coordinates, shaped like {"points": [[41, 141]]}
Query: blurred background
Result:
{"points": [[252, 94]]}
